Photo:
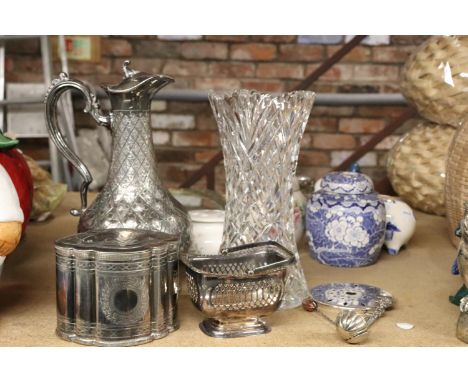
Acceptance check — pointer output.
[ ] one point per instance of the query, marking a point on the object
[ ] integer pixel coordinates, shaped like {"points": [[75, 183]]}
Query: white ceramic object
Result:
{"points": [[207, 231], [401, 223], [405, 325], [298, 224], [299, 203], [2, 259], [318, 185]]}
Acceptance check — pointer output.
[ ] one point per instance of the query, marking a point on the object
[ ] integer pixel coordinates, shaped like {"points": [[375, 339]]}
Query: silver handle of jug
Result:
{"points": [[58, 87]]}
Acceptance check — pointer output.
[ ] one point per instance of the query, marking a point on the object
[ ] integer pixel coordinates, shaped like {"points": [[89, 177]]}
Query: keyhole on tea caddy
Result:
{"points": [[125, 300]]}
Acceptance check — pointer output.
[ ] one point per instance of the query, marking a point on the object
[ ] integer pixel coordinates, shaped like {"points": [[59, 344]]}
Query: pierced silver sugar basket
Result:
{"points": [[239, 287]]}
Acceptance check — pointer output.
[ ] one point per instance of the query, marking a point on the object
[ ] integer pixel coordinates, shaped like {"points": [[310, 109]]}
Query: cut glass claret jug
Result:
{"points": [[133, 196], [260, 135]]}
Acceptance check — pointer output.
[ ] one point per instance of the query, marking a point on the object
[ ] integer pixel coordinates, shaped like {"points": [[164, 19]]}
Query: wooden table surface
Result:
{"points": [[419, 279]]}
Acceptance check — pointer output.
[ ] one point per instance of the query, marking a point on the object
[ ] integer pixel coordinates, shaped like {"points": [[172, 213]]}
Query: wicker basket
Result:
{"points": [[456, 186], [435, 79], [416, 166]]}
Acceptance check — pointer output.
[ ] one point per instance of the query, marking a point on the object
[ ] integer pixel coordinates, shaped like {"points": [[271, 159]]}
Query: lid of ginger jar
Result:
{"points": [[347, 183]]}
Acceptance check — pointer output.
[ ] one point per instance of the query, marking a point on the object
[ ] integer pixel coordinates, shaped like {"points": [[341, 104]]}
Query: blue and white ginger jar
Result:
{"points": [[345, 221]]}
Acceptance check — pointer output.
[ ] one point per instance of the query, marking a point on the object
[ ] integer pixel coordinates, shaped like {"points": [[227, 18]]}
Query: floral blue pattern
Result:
{"points": [[345, 221], [389, 231], [347, 182]]}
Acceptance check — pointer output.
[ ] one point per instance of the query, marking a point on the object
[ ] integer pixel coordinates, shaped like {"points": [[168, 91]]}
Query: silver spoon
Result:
{"points": [[353, 326]]}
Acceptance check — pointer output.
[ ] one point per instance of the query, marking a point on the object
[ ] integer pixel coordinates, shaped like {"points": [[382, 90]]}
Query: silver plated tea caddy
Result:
{"points": [[133, 196], [116, 287]]}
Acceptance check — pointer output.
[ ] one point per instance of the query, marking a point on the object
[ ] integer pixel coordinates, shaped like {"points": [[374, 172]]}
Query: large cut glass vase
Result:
{"points": [[260, 135]]}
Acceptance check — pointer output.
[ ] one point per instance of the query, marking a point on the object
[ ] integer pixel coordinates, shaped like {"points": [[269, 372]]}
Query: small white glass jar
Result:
{"points": [[207, 231]]}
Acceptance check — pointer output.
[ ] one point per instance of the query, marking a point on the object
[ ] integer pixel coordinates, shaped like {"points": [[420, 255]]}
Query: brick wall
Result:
{"points": [[185, 133]]}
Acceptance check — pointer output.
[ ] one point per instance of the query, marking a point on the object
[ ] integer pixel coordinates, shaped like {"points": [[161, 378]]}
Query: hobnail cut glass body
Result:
{"points": [[260, 136], [133, 196]]}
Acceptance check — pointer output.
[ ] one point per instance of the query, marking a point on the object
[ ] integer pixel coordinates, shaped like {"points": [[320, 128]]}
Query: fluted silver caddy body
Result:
{"points": [[116, 287]]}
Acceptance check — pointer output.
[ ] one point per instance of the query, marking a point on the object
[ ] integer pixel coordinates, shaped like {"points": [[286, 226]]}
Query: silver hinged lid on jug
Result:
{"points": [[116, 287]]}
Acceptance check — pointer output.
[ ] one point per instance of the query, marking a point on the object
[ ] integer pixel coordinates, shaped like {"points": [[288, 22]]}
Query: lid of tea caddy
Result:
{"points": [[118, 240], [347, 183]]}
